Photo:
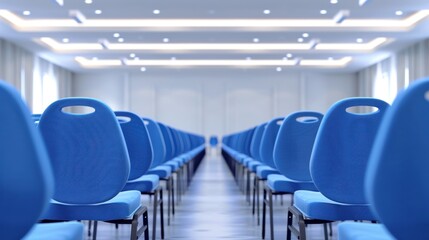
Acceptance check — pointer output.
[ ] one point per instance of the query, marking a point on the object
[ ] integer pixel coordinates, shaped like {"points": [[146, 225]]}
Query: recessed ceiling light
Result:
{"points": [[66, 40], [26, 12], [116, 35], [330, 58], [88, 1], [359, 40], [143, 69], [267, 11], [248, 58], [120, 40], [305, 35], [60, 2], [278, 69], [95, 58], [289, 55], [173, 58], [300, 40], [323, 12], [156, 11], [165, 40], [256, 40], [334, 1], [399, 13], [132, 55], [98, 11]]}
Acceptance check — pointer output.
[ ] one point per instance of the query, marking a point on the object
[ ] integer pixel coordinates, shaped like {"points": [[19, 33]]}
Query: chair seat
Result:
{"points": [[316, 206], [280, 183], [363, 231], [122, 206], [144, 184], [174, 165], [54, 231], [264, 170], [162, 171], [253, 165]]}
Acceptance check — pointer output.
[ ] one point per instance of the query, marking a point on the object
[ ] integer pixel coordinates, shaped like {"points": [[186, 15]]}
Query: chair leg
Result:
{"points": [[248, 186], [257, 198], [155, 209], [300, 232], [254, 196], [161, 211], [168, 187], [135, 233], [89, 228], [325, 230], [270, 205], [94, 234], [264, 212]]}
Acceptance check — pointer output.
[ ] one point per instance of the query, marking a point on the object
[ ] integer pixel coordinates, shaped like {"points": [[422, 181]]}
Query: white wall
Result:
{"points": [[215, 101]]}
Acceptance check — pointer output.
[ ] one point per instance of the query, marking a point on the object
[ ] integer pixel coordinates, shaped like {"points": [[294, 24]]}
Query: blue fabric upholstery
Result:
{"points": [[363, 231], [144, 184], [175, 165], [256, 141], [25, 173], [157, 140], [213, 141], [168, 141], [121, 206], [316, 206], [280, 183], [263, 171], [162, 171], [342, 147], [397, 177], [88, 151], [55, 231], [253, 165], [294, 144], [138, 143], [268, 140]]}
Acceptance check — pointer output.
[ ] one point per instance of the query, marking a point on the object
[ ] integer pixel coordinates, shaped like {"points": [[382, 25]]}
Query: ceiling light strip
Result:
{"points": [[183, 24], [205, 62], [313, 44]]}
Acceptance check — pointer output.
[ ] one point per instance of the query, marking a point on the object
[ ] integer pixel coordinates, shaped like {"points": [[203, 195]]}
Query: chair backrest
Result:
{"points": [[88, 151], [213, 140], [256, 141], [26, 181], [138, 143], [397, 177], [168, 141], [268, 140], [157, 140], [342, 147], [294, 143]]}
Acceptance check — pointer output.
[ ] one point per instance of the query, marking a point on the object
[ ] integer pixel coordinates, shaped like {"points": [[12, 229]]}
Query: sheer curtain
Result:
{"points": [[384, 79], [40, 82]]}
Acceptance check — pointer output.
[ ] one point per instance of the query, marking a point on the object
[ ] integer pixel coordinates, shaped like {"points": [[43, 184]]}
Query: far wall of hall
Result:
{"points": [[215, 101]]}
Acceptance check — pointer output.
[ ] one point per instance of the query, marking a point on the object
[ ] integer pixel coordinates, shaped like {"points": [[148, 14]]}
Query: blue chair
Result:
{"points": [[266, 154], [253, 162], [140, 154], [213, 141], [91, 166], [337, 166], [396, 178], [164, 172], [26, 180], [292, 152]]}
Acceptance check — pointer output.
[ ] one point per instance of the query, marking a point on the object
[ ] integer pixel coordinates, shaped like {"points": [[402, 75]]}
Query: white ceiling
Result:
{"points": [[217, 9]]}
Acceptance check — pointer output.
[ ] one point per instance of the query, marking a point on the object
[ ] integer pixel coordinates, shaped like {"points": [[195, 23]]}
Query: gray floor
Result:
{"points": [[214, 208]]}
